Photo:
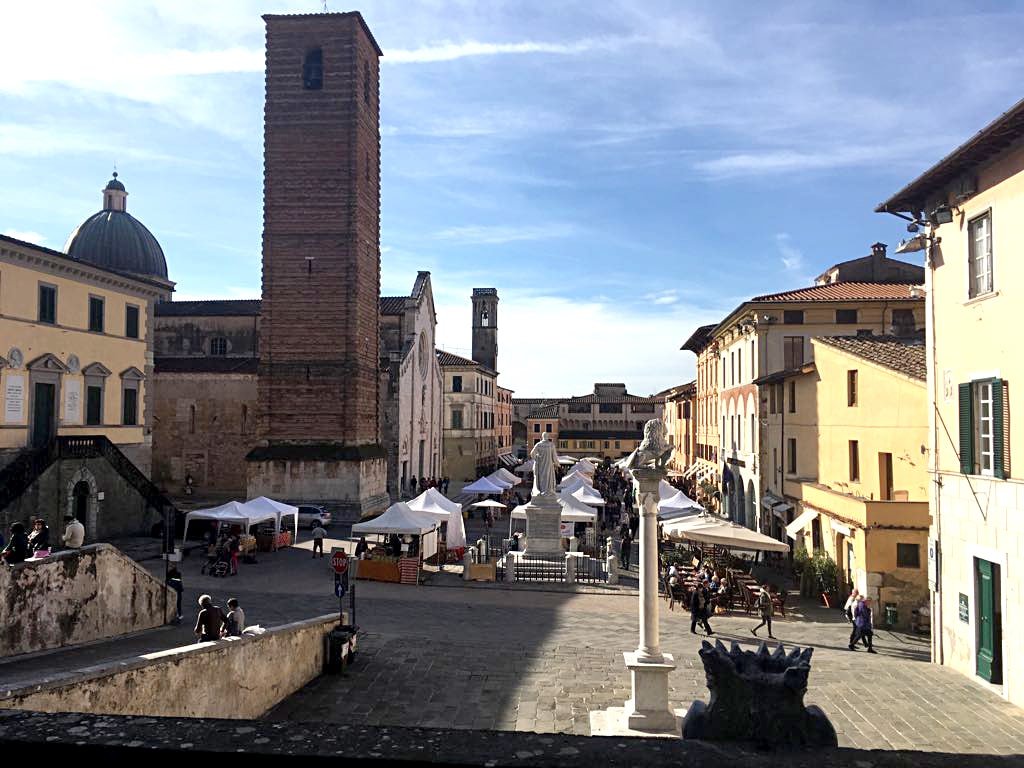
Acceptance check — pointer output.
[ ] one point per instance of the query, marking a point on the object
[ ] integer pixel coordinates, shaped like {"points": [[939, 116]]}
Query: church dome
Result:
{"points": [[114, 239]]}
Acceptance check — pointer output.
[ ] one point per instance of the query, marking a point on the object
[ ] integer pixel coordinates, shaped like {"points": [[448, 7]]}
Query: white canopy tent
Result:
{"points": [[505, 475], [233, 512], [675, 503], [588, 497], [705, 529], [488, 503], [498, 480], [400, 519], [484, 485], [577, 481], [435, 503], [525, 467], [573, 511], [584, 467], [567, 461], [262, 504]]}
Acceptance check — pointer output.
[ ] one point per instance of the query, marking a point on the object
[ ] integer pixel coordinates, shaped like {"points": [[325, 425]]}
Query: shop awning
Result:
{"points": [[802, 521], [706, 529], [838, 527]]}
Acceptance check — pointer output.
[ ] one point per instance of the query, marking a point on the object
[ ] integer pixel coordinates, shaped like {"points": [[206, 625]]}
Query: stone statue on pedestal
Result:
{"points": [[545, 462], [654, 450]]}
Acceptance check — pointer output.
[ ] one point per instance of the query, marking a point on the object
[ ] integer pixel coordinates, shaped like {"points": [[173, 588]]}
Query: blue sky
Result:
{"points": [[621, 171]]}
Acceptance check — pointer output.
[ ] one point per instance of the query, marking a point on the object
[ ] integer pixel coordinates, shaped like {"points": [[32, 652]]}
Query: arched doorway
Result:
{"points": [[80, 501], [751, 507]]}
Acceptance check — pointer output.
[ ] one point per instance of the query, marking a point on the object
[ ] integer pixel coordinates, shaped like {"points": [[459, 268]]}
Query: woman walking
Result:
{"points": [[766, 609]]}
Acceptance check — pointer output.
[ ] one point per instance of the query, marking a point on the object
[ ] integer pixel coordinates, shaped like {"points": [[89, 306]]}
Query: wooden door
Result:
{"points": [[885, 476], [986, 619], [43, 412]]}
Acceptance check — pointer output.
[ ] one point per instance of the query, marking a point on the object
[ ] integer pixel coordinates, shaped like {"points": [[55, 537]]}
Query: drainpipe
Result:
{"points": [[938, 651]]}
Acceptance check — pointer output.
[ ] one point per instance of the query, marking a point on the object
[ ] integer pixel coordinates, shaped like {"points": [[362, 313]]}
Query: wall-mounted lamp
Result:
{"points": [[942, 214]]}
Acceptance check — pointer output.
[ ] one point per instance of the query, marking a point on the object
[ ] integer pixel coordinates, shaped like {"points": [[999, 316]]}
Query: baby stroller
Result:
{"points": [[222, 565]]}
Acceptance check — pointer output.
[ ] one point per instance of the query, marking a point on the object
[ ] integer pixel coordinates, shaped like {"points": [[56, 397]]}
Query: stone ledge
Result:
{"points": [[45, 735]]}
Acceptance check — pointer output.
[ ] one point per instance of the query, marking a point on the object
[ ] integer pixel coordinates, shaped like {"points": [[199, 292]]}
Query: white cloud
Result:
{"points": [[500, 234], [663, 297], [230, 292], [792, 258], [25, 234], [449, 51]]}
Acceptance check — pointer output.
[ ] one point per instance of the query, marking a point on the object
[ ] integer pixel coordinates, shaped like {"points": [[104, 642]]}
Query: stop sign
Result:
{"points": [[339, 562]]}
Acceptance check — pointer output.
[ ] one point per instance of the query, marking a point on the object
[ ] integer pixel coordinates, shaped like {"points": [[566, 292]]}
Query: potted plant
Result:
{"points": [[826, 574]]}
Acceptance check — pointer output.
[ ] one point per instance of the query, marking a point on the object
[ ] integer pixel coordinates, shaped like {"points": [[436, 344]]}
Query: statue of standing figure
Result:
{"points": [[545, 462]]}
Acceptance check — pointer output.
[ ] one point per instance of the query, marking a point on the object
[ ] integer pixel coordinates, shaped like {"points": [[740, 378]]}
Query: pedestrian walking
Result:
{"points": [[851, 601], [234, 622], [625, 549], [74, 533], [174, 582], [699, 603], [766, 609], [209, 621], [234, 546], [318, 539], [863, 625]]}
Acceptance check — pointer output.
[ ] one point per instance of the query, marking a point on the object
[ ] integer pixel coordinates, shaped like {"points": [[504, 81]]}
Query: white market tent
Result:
{"points": [[507, 476], [483, 485], [674, 503], [567, 461], [435, 503], [488, 503], [705, 529], [263, 504], [526, 466], [233, 512], [583, 467], [401, 520], [577, 481], [588, 497], [498, 480]]}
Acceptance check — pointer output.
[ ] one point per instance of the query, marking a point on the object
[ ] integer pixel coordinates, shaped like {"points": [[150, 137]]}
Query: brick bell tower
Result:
{"points": [[485, 327], [319, 406]]}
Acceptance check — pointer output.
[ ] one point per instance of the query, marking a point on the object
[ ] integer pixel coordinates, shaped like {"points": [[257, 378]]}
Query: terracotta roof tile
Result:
{"points": [[447, 358], [906, 356], [844, 292], [392, 305]]}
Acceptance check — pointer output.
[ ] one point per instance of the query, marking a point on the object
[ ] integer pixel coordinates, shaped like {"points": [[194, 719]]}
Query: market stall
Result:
{"points": [[674, 504], [232, 513], [588, 496], [435, 503], [398, 520], [505, 475], [279, 537], [484, 485]]}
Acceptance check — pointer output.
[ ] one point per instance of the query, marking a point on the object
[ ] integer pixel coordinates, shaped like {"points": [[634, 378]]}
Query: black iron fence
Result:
{"points": [[589, 570], [540, 568]]}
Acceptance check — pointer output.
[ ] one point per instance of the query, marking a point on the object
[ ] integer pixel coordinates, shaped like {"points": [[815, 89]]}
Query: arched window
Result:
{"points": [[484, 319], [218, 346], [313, 70]]}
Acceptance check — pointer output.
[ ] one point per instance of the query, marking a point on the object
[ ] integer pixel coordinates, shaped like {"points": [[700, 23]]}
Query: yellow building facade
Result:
{"points": [[968, 213], [849, 432]]}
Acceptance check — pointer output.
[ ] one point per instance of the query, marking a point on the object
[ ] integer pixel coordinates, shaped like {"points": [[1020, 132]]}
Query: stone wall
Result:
{"points": [[75, 597], [233, 678], [191, 335], [121, 512], [205, 425], [350, 490]]}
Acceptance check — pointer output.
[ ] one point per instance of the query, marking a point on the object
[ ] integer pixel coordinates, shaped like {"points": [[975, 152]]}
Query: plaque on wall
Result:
{"points": [[73, 401], [14, 398]]}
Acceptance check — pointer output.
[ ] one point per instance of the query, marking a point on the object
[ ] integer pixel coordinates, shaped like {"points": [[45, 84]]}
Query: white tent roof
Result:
{"points": [[505, 475], [587, 496], [398, 518], [573, 510], [583, 467], [431, 500], [526, 466], [675, 503], [570, 484], [262, 504], [498, 480], [488, 503], [713, 530], [566, 460], [232, 512], [484, 485]]}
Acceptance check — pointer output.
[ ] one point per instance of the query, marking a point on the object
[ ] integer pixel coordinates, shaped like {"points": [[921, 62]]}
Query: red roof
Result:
{"points": [[845, 292], [447, 358]]}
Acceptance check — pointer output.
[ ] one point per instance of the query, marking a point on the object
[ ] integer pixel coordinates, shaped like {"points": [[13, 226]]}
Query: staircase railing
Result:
{"points": [[17, 476]]}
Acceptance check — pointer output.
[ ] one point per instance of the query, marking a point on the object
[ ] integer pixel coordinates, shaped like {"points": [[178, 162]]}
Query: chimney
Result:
{"points": [[877, 259]]}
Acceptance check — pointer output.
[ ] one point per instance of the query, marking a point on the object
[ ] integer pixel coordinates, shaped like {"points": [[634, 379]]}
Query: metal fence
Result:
{"points": [[541, 568], [590, 570]]}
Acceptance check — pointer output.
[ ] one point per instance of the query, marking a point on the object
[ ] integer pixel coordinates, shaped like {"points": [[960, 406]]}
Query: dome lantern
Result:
{"points": [[115, 197]]}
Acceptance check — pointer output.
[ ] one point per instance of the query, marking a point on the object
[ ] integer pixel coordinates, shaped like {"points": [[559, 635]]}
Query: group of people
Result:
{"points": [[21, 545], [222, 546], [414, 487], [213, 623], [861, 617]]}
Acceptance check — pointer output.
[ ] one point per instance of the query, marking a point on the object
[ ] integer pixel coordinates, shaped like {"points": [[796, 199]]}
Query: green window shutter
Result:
{"points": [[998, 430], [966, 429]]}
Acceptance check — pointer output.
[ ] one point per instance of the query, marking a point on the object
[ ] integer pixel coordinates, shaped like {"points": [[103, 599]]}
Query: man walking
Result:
{"points": [[699, 609], [319, 532], [862, 625], [174, 582], [625, 548], [766, 609], [74, 533]]}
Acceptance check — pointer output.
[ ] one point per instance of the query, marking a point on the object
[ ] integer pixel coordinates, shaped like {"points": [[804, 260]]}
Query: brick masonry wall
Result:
{"points": [[321, 260]]}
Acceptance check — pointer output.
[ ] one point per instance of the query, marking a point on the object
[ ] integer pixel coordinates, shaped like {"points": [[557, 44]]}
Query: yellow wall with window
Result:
{"points": [[22, 271]]}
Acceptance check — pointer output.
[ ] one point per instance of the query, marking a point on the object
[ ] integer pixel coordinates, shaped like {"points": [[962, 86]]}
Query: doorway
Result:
{"points": [[885, 476], [80, 501], [988, 621], [44, 409]]}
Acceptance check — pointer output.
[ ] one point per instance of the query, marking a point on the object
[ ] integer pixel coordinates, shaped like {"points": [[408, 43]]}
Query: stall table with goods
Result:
{"points": [[395, 564]]}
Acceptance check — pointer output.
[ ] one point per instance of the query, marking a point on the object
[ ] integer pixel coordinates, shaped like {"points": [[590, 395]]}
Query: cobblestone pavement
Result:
{"points": [[541, 661]]}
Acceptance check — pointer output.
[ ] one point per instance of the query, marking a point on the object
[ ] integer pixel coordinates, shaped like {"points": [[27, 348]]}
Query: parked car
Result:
{"points": [[310, 515]]}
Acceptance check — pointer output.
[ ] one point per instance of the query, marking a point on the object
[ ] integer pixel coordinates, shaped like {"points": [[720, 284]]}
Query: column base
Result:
{"points": [[648, 710], [614, 722]]}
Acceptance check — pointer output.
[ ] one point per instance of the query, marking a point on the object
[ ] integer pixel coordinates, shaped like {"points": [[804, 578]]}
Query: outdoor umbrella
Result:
{"points": [[487, 503]]}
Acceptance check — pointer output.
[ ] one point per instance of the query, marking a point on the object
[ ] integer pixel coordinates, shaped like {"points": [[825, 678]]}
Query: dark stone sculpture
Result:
{"points": [[758, 697]]}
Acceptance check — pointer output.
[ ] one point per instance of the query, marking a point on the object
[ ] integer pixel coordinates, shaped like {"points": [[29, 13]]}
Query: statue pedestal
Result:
{"points": [[543, 535], [648, 710]]}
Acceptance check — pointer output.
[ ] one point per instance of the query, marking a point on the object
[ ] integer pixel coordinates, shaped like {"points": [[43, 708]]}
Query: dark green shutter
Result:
{"points": [[998, 454], [966, 429]]}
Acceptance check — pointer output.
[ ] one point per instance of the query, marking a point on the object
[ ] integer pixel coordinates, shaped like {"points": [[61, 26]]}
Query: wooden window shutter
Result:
{"points": [[1000, 457], [966, 429]]}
